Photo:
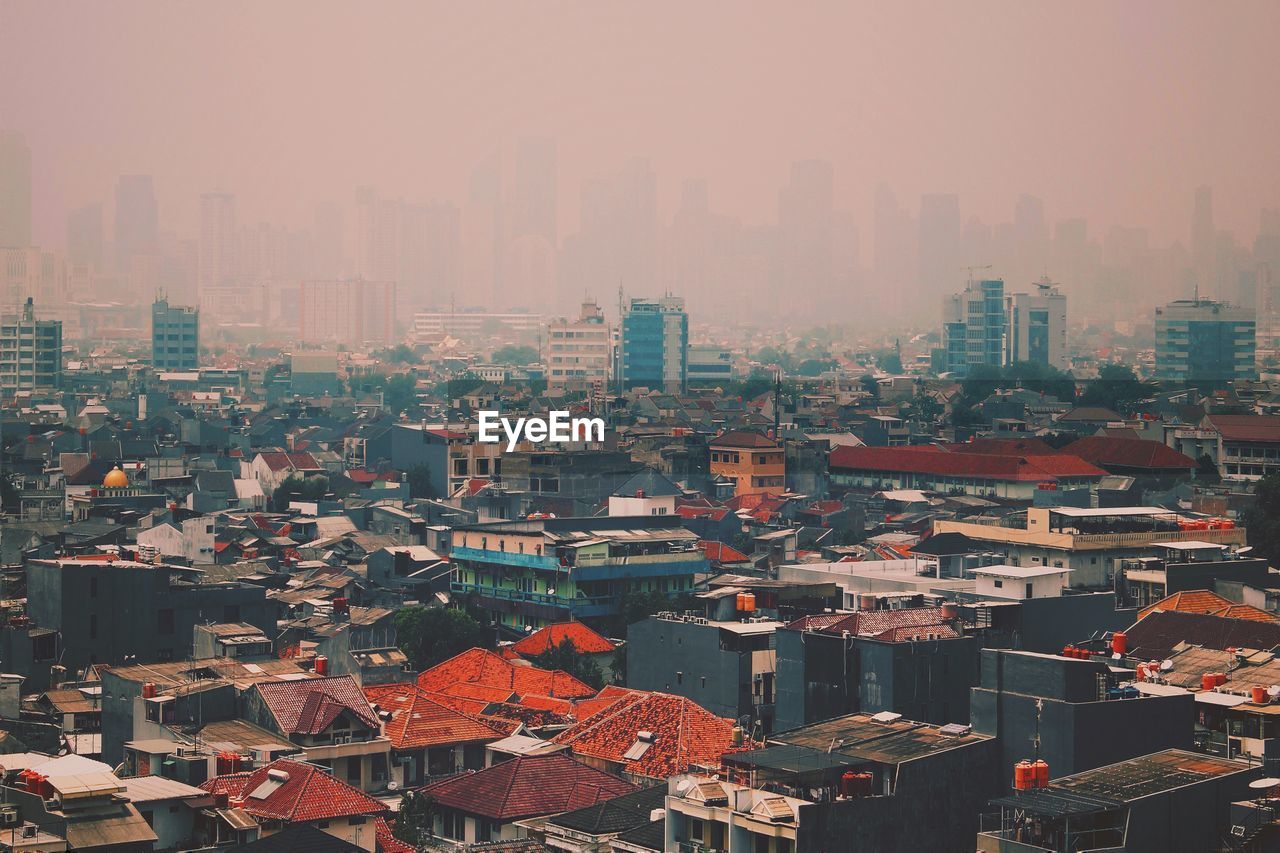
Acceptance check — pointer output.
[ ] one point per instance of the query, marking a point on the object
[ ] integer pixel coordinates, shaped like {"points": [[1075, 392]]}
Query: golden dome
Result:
{"points": [[115, 479]]}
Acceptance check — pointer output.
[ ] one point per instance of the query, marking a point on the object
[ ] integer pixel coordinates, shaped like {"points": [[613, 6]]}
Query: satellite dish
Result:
{"points": [[1264, 783], [551, 590], [393, 786], [1166, 665], [1273, 691], [1245, 550]]}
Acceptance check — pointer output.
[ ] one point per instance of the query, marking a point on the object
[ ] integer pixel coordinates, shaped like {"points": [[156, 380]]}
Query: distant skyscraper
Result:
{"points": [[84, 236], [938, 246], [33, 350], [1038, 326], [377, 236], [974, 325], [175, 336], [1202, 340], [1204, 243], [655, 344], [533, 199], [429, 246], [219, 240], [805, 222], [15, 191], [136, 219], [348, 312], [484, 238]]}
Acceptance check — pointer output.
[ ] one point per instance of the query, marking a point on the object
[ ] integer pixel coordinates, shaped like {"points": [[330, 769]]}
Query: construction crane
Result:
{"points": [[971, 269]]}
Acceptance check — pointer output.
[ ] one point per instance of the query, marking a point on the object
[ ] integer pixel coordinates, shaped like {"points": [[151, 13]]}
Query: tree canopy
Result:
{"points": [[1263, 518], [515, 354], [567, 657], [1117, 388], [430, 635], [296, 488]]}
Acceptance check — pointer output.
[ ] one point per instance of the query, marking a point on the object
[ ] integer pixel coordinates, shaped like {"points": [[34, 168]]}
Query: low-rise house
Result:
{"points": [[487, 805], [647, 736], [428, 739], [597, 827], [169, 807], [287, 793], [597, 648], [331, 720]]}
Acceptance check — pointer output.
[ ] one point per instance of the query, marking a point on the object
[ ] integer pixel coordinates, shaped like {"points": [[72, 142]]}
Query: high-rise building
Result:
{"points": [[31, 273], [534, 203], [377, 236], [15, 191], [30, 351], [1202, 340], [84, 236], [218, 241], [805, 223], [974, 324], [938, 244], [347, 312], [1038, 326], [579, 352], [136, 223], [175, 336], [655, 344], [1204, 242]]}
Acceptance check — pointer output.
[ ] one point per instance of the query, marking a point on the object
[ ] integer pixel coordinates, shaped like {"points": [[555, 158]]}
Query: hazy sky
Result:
{"points": [[1114, 111]]}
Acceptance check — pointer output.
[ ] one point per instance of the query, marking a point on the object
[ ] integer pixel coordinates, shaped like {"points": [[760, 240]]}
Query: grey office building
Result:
{"points": [[175, 336]]}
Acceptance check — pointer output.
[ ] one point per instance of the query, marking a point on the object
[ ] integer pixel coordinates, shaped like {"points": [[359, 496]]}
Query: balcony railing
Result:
{"points": [[507, 558], [585, 606]]}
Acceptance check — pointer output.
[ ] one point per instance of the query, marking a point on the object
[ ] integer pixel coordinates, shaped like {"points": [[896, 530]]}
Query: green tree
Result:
{"points": [[567, 657], [419, 479], [814, 366], [399, 354], [296, 488], [414, 819], [429, 635], [1206, 471], [9, 494], [1263, 518], [515, 354], [399, 393], [872, 387], [1117, 387], [889, 361]]}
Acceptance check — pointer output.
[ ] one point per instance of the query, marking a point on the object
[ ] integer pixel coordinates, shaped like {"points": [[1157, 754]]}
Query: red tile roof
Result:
{"points": [[387, 842], [941, 461], [1206, 601], [278, 461], [311, 706], [715, 513], [308, 794], [683, 734], [527, 786], [419, 721], [875, 623], [585, 640], [1258, 428], [478, 666], [1105, 451], [718, 552], [1005, 447], [744, 438]]}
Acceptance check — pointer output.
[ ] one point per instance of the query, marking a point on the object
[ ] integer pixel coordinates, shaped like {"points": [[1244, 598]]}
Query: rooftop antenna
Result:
{"points": [[777, 403]]}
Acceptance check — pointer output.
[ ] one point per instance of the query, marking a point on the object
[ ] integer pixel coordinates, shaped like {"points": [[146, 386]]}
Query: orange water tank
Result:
{"points": [[748, 602], [1119, 642], [1258, 695], [1041, 771], [739, 601], [322, 665], [950, 610], [148, 690], [1207, 682], [1023, 775], [1219, 679], [855, 784]]}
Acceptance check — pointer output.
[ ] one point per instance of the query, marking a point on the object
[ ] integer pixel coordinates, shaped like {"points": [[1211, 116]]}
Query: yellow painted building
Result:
{"points": [[754, 461]]}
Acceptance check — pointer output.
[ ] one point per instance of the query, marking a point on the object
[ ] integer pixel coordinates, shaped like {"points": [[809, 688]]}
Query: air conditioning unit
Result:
{"points": [[9, 815]]}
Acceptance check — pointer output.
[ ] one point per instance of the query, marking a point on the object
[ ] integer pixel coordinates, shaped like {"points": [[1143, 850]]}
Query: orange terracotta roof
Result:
{"points": [[682, 732], [1246, 611], [478, 666], [419, 721], [1189, 601], [307, 794], [585, 640]]}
